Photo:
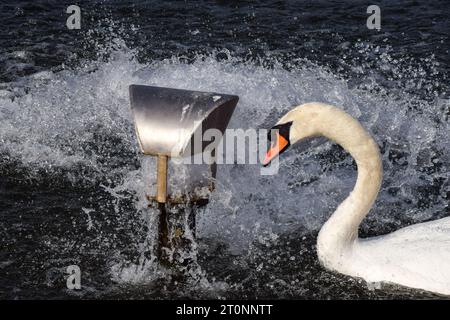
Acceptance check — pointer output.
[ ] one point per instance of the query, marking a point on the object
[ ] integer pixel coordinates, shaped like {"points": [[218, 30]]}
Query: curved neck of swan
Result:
{"points": [[341, 230]]}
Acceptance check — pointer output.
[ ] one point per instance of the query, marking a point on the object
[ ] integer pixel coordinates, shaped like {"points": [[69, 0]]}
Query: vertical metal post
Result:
{"points": [[161, 198], [163, 235], [161, 192]]}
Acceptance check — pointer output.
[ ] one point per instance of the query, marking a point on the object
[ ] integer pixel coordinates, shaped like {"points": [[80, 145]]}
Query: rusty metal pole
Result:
{"points": [[161, 198], [161, 174]]}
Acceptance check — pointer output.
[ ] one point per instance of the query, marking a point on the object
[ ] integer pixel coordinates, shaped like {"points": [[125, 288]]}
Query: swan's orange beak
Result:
{"points": [[278, 145]]}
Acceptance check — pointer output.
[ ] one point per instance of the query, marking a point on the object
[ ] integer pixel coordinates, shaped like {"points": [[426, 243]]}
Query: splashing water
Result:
{"points": [[74, 127]]}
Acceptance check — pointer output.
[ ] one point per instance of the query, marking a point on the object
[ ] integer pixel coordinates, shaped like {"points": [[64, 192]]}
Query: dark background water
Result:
{"points": [[322, 31], [41, 228]]}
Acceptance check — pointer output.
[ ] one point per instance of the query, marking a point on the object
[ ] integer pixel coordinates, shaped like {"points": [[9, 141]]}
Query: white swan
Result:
{"points": [[417, 256]]}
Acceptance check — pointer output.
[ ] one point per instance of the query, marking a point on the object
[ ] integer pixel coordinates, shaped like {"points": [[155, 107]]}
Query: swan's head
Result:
{"points": [[294, 126], [280, 142]]}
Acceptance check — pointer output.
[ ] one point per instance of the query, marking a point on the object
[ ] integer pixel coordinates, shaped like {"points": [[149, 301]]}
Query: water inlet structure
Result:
{"points": [[170, 123]]}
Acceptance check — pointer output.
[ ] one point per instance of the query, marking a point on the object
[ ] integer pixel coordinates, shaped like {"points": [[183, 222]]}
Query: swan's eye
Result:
{"points": [[283, 129]]}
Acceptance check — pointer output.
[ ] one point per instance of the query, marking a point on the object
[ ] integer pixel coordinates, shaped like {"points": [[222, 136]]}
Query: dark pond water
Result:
{"points": [[73, 184]]}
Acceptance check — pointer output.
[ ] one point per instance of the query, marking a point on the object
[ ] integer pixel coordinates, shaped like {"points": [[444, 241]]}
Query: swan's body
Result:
{"points": [[417, 256]]}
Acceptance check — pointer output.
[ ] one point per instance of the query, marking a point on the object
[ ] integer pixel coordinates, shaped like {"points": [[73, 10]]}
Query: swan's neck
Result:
{"points": [[341, 230]]}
